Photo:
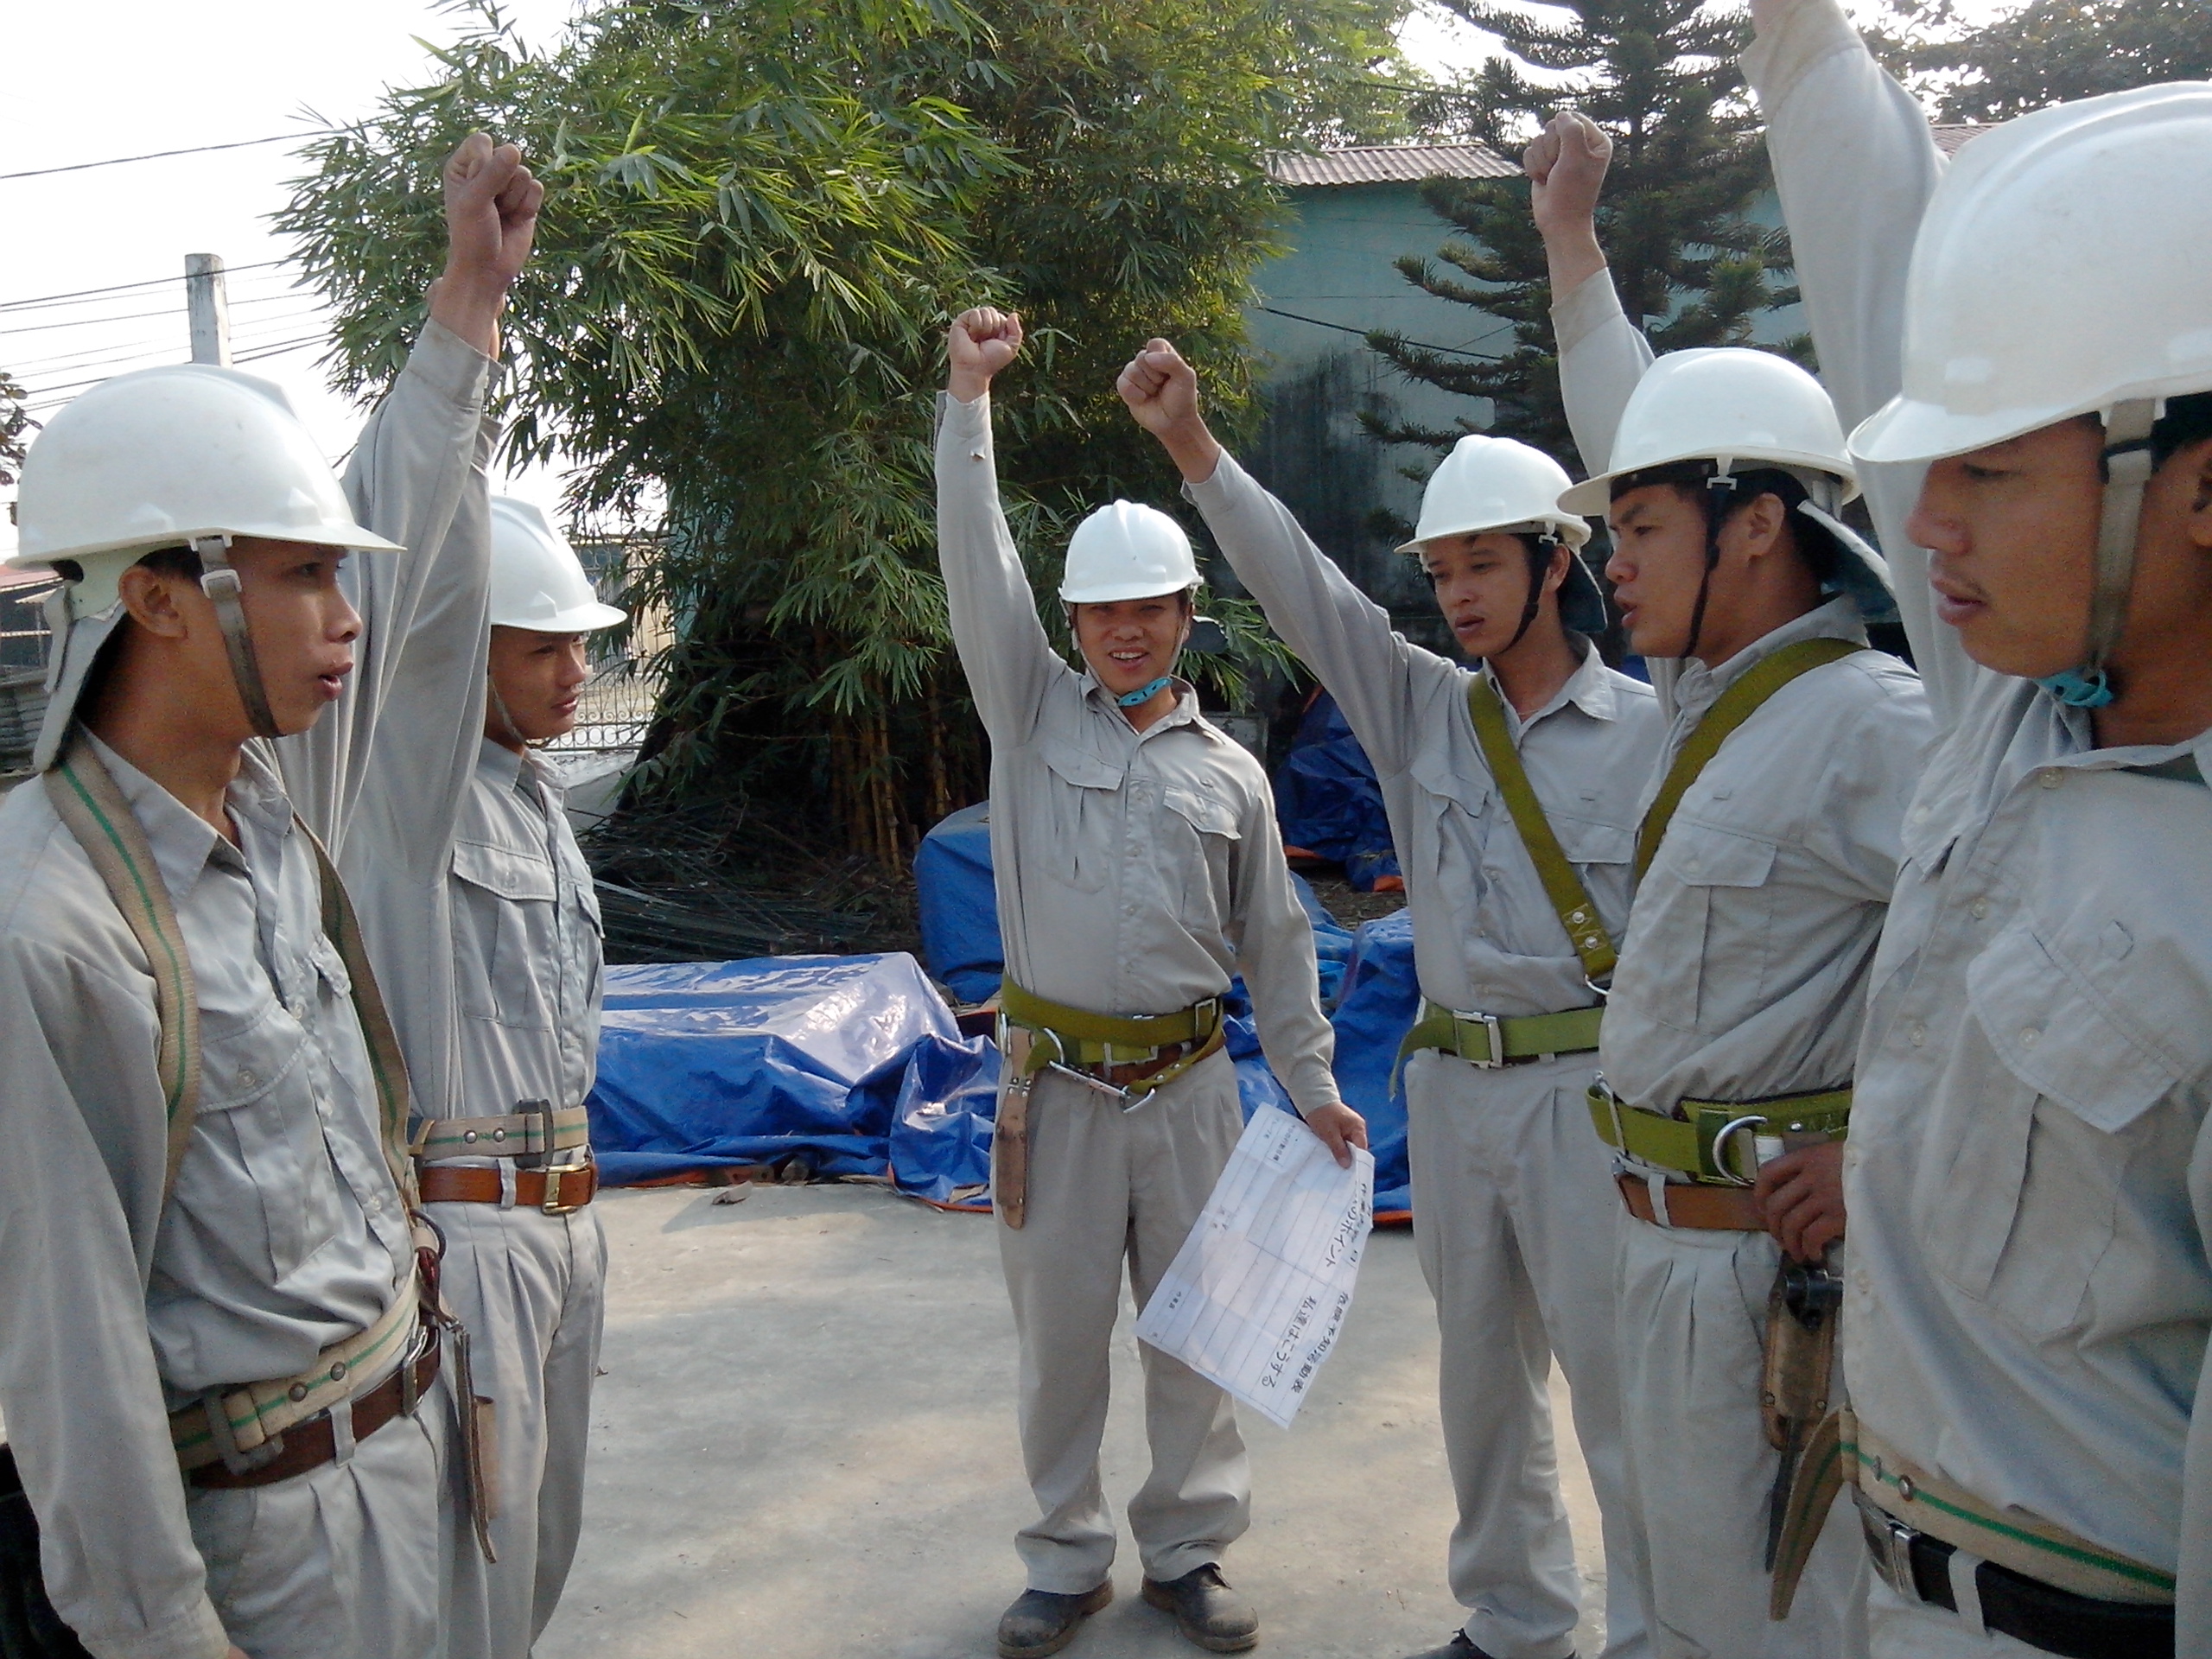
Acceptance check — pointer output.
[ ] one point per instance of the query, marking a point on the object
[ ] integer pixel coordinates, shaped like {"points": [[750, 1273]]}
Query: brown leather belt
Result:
{"points": [[310, 1445], [1697, 1207], [556, 1191], [1121, 1076]]}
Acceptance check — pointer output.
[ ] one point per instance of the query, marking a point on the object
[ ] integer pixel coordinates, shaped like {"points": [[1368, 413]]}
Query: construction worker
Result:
{"points": [[1512, 790], [2028, 1306], [1138, 870], [1768, 849], [483, 909], [206, 1261]]}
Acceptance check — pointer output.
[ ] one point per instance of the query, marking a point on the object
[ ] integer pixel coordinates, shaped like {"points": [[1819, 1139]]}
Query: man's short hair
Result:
{"points": [[1814, 544]]}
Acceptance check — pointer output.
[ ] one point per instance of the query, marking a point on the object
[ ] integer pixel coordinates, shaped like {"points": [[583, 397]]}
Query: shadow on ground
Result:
{"points": [[803, 1448]]}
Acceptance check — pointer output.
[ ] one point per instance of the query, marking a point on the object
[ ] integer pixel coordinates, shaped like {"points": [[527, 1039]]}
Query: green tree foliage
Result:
{"points": [[2048, 51], [759, 219], [1661, 77], [16, 425]]}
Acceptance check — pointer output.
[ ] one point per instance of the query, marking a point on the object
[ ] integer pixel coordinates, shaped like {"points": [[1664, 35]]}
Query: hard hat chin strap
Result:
{"points": [[221, 583], [1717, 487], [1540, 564], [2128, 470]]}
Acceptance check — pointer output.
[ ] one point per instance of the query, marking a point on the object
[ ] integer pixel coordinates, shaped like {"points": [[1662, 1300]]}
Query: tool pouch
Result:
{"points": [[475, 1418], [1815, 1480], [1800, 1325], [29, 1628], [1010, 1134]]}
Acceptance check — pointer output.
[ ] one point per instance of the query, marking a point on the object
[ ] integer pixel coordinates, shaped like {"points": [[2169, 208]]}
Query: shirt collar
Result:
{"points": [[1184, 713], [183, 842], [1590, 688], [1697, 685], [498, 765]]}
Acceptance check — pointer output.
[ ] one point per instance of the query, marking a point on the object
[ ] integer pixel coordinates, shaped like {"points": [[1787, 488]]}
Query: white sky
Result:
{"points": [[125, 77]]}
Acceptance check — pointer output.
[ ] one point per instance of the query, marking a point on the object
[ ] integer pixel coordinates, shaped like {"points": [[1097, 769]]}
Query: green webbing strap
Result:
{"points": [[1576, 914], [1572, 1031], [1084, 1039], [1686, 1144], [1731, 709], [93, 808]]}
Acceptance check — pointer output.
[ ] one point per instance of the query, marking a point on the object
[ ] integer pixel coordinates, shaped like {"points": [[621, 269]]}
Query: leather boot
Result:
{"points": [[1206, 1609], [1042, 1621], [1457, 1647]]}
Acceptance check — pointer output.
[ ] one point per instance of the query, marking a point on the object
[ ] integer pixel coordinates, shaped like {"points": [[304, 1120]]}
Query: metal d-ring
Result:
{"points": [[1720, 1149]]}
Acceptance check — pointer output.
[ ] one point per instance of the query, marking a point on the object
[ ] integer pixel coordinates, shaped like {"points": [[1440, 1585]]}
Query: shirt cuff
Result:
{"points": [[197, 1634], [1809, 31], [449, 365], [1584, 309]]}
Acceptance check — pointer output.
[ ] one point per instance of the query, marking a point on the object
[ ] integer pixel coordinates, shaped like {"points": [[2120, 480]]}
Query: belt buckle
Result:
{"points": [[1489, 1023], [1889, 1544], [555, 1204]]}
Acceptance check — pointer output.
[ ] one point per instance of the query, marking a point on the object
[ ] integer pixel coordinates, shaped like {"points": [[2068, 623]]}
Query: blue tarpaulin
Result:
{"points": [[1328, 801], [707, 1065], [1377, 1009]]}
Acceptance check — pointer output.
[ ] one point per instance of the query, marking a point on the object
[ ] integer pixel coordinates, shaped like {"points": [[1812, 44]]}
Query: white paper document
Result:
{"points": [[1254, 1299]]}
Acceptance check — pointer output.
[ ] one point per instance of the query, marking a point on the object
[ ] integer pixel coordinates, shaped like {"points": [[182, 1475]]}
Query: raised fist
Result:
{"points": [[1566, 168], [981, 340], [1160, 387], [492, 203]]}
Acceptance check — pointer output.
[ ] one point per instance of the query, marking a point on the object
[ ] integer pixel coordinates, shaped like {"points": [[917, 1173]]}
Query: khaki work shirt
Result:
{"points": [[286, 1234], [1138, 872], [2030, 1171], [1744, 975], [1486, 937], [527, 959]]}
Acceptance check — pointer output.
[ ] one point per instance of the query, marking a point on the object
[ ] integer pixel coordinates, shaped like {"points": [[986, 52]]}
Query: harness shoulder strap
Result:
{"points": [[89, 804], [1731, 709], [1576, 913]]}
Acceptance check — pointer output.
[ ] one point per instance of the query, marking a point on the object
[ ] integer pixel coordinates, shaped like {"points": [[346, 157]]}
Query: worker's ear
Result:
{"points": [[149, 595]]}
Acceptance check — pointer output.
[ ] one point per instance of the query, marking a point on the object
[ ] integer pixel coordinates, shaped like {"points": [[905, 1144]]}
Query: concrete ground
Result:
{"points": [[805, 1447]]}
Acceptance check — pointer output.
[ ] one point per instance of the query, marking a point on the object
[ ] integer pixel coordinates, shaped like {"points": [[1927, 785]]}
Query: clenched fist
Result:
{"points": [[1162, 388], [491, 202], [981, 340]]}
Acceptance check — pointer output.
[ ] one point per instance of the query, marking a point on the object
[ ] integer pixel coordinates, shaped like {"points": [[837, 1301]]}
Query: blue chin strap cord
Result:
{"points": [[1144, 693], [2128, 469]]}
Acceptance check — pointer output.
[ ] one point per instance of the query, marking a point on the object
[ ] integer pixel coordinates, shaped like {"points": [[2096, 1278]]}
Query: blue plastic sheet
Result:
{"points": [[707, 1065], [1380, 1002], [941, 1121], [960, 911], [1328, 801]]}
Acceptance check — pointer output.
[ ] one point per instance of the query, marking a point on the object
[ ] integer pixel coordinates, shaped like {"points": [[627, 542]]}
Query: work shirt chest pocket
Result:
{"points": [[1084, 815], [2020, 1194], [505, 933], [1704, 912], [261, 1118], [1198, 838]]}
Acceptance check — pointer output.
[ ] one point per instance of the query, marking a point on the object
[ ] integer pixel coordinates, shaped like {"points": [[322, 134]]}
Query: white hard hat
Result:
{"points": [[1126, 550], [2059, 271], [163, 457], [1500, 484], [1488, 484], [538, 580], [1738, 408], [189, 455]]}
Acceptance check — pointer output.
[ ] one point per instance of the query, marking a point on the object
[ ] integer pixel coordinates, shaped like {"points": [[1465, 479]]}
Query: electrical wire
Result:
{"points": [[1346, 328], [164, 155], [41, 301]]}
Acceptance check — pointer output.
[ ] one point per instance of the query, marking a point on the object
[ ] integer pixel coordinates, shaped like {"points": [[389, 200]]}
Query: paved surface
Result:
{"points": [[805, 1448]]}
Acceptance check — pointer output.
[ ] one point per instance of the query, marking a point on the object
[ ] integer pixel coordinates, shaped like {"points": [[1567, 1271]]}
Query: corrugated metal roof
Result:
{"points": [[1949, 139], [1391, 164]]}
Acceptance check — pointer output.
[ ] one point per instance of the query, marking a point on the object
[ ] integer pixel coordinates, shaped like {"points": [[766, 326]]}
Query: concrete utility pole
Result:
{"points": [[209, 304]]}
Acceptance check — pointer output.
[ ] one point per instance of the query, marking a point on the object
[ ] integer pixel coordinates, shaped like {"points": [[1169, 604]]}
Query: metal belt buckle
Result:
{"points": [[1720, 1149], [555, 1204], [1889, 1542], [1489, 1023]]}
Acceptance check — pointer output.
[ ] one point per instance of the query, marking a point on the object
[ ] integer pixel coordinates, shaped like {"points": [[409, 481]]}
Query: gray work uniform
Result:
{"points": [[1514, 1207], [2030, 1173], [1743, 977], [1137, 872], [286, 1234], [478, 910]]}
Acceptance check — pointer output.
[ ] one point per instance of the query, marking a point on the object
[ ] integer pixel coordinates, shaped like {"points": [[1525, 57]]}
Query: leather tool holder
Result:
{"points": [[1010, 1136]]}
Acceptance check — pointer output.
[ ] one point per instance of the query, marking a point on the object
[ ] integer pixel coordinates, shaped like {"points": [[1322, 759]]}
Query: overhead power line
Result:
{"points": [[41, 300], [164, 155], [1346, 328]]}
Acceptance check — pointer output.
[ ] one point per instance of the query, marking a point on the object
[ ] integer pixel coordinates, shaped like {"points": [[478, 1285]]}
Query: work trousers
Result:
{"points": [[341, 1562], [1692, 1324], [1514, 1217], [1916, 1630], [531, 1289], [1105, 1185]]}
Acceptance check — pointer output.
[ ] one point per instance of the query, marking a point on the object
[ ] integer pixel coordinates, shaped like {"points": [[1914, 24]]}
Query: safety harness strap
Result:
{"points": [[1077, 1038], [1578, 914], [515, 1135], [1731, 709], [1487, 1040], [91, 807], [1690, 1145]]}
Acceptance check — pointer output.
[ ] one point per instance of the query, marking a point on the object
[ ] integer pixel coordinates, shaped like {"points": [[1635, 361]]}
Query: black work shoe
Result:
{"points": [[1205, 1609], [1460, 1647], [1042, 1621]]}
